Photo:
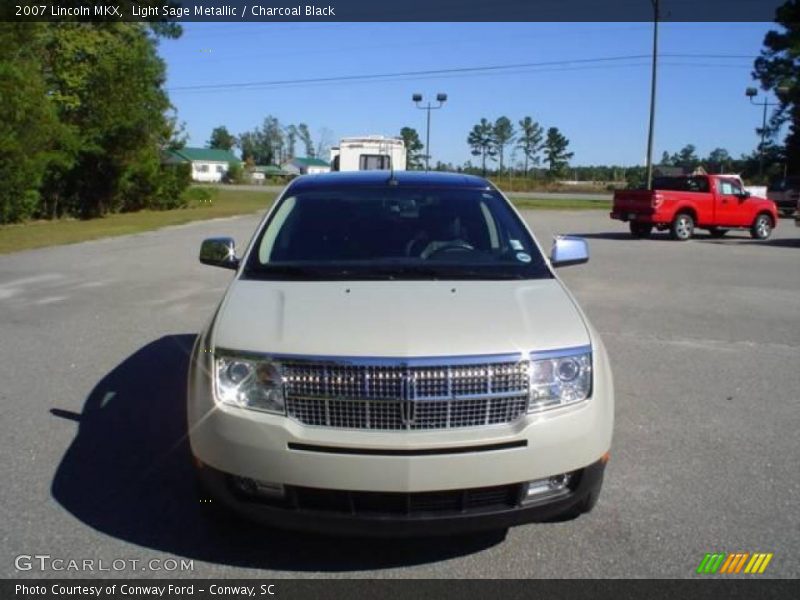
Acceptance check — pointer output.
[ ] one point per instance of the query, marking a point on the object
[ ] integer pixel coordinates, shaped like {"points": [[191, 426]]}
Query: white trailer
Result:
{"points": [[369, 153], [759, 191]]}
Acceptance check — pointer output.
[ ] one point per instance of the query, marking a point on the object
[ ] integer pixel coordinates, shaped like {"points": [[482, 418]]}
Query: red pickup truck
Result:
{"points": [[681, 204]]}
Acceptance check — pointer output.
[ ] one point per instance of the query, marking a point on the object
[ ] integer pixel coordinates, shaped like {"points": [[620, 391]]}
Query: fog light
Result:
{"points": [[550, 486], [254, 487]]}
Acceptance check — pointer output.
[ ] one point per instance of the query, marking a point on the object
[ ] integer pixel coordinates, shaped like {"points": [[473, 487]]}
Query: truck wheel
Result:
{"points": [[717, 232], [682, 227], [640, 230], [762, 227]]}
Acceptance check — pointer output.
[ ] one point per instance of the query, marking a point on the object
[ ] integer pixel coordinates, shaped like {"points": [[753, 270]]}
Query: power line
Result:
{"points": [[571, 64], [343, 78]]}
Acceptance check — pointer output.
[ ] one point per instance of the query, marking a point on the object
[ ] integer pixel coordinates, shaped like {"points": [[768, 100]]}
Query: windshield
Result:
{"points": [[395, 233]]}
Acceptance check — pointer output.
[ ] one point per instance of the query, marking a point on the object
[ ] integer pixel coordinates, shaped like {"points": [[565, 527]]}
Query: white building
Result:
{"points": [[208, 164], [369, 153], [306, 166]]}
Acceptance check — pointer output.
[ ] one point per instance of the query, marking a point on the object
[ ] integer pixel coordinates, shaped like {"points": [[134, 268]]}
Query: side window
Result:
{"points": [[729, 188], [373, 162]]}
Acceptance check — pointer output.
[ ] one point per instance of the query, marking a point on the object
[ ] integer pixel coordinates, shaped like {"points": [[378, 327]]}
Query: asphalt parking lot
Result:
{"points": [[703, 338]]}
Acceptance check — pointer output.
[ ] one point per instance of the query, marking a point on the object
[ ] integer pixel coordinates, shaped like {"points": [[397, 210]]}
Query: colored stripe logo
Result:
{"points": [[734, 563]]}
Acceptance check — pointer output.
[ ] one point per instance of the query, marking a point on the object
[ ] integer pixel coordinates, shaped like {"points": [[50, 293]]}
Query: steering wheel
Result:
{"points": [[446, 247]]}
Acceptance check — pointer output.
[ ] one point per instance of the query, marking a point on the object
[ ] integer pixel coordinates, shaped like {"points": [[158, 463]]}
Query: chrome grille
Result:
{"points": [[396, 397]]}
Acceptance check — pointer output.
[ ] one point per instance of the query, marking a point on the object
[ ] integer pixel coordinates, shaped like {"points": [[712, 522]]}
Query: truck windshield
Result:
{"points": [[395, 233]]}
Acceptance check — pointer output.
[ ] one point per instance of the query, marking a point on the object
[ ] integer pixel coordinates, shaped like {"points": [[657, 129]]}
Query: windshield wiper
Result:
{"points": [[381, 272], [337, 272], [289, 272]]}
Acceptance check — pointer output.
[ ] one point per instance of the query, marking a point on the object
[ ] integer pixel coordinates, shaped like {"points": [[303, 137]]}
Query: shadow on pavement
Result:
{"points": [[777, 242], [731, 238], [128, 474], [622, 236]]}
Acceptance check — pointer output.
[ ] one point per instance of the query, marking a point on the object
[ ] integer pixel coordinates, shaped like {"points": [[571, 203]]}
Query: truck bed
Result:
{"points": [[633, 201]]}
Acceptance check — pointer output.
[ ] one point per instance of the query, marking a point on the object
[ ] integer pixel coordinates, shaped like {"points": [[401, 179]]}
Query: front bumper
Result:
{"points": [[640, 217], [279, 450], [340, 512]]}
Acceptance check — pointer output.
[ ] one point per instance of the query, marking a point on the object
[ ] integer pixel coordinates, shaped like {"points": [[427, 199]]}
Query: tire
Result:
{"points": [[762, 227], [717, 232], [682, 227], [640, 230]]}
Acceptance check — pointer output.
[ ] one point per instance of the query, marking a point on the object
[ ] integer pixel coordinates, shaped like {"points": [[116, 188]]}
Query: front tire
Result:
{"points": [[640, 230], [682, 227], [762, 227]]}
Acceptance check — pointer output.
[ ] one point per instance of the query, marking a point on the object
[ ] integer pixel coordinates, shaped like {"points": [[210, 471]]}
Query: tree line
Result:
{"points": [[778, 70], [272, 142], [490, 141], [84, 120]]}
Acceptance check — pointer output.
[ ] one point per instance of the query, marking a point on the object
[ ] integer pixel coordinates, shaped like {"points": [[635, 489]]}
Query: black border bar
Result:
{"points": [[426, 589], [320, 11]]}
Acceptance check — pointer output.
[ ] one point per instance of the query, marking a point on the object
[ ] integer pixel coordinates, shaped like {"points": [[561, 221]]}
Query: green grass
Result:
{"points": [[36, 234], [223, 203], [560, 203]]}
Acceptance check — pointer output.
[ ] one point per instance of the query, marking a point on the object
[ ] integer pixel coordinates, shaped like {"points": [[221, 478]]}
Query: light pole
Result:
{"points": [[751, 93], [652, 97], [441, 99]]}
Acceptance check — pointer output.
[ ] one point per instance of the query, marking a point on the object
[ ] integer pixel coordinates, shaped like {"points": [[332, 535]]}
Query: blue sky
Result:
{"points": [[601, 107]]}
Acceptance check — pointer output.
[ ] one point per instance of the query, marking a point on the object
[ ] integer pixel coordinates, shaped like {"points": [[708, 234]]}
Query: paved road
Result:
{"points": [[703, 336]]}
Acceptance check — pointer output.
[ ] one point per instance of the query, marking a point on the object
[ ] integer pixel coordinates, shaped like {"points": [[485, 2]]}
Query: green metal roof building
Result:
{"points": [[208, 164]]}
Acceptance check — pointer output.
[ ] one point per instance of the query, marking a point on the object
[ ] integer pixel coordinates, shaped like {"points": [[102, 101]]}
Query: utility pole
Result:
{"points": [[653, 78], [751, 93], [441, 99]]}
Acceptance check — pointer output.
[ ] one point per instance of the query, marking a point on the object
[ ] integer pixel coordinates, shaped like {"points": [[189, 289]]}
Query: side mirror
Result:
{"points": [[744, 195], [568, 250], [219, 252]]}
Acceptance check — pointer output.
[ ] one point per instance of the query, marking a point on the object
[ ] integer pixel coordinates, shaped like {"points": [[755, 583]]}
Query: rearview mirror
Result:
{"points": [[568, 250], [219, 252]]}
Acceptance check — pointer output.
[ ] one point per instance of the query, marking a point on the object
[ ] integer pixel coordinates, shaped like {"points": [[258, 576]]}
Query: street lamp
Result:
{"points": [[751, 93], [441, 99]]}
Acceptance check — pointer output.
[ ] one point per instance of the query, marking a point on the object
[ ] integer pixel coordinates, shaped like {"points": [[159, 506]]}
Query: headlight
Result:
{"points": [[560, 381], [248, 383]]}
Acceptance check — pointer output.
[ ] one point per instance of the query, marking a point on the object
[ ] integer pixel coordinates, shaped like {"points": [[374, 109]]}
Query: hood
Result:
{"points": [[398, 319]]}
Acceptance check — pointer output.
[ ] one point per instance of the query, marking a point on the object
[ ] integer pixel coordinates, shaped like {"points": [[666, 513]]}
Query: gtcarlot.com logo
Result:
{"points": [[46, 562], [723, 563]]}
